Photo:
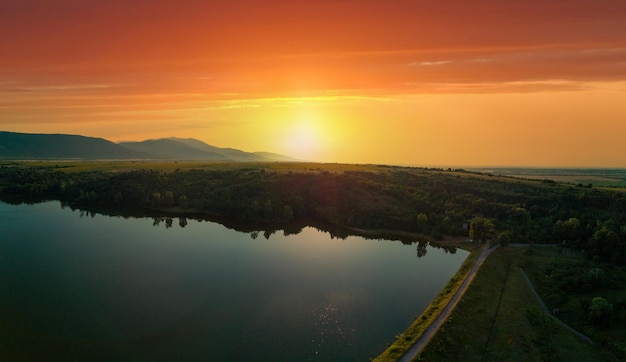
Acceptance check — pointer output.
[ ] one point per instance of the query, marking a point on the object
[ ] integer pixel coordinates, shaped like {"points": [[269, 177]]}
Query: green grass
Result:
{"points": [[599, 177], [550, 268], [499, 319]]}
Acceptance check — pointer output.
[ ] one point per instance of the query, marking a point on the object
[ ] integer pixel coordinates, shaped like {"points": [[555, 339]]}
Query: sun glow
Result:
{"points": [[304, 139], [366, 87]]}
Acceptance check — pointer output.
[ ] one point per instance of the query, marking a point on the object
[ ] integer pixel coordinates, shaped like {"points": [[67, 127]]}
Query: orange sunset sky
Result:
{"points": [[447, 82]]}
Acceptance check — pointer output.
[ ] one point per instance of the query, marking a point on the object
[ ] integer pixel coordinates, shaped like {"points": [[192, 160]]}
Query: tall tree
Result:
{"points": [[481, 229]]}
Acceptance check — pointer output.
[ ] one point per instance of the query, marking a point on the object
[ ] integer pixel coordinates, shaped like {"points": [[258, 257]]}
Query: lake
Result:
{"points": [[92, 287]]}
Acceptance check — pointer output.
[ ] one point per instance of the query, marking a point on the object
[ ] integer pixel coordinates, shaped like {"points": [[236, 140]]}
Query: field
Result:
{"points": [[499, 319], [599, 177]]}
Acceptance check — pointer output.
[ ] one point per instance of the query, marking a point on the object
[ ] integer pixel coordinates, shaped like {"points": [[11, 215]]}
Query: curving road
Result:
{"points": [[440, 320]]}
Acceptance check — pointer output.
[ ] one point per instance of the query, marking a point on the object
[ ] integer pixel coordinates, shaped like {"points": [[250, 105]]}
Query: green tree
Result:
{"points": [[605, 243], [183, 202], [169, 198], [118, 198], [255, 209], [600, 311], [481, 229], [521, 215], [505, 238], [568, 230], [596, 277], [422, 222], [156, 199], [287, 213], [91, 195], [268, 210]]}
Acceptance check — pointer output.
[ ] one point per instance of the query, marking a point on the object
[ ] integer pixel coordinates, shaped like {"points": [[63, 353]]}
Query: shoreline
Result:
{"points": [[431, 319]]}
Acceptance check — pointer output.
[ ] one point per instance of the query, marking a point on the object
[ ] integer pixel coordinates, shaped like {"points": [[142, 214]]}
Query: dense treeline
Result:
{"points": [[427, 201]]}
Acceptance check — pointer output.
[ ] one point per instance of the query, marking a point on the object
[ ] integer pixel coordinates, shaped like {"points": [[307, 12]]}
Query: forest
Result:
{"points": [[429, 203]]}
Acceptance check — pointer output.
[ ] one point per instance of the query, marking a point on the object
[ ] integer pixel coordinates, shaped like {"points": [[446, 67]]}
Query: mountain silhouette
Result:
{"points": [[63, 146]]}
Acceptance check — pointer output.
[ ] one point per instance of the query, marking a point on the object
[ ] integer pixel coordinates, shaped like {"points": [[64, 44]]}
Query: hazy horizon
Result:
{"points": [[481, 84]]}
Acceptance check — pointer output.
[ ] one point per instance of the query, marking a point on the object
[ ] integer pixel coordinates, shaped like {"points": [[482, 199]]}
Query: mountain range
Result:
{"points": [[63, 146]]}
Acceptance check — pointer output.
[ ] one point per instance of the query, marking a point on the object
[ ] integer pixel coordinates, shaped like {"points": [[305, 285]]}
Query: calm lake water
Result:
{"points": [[110, 288]]}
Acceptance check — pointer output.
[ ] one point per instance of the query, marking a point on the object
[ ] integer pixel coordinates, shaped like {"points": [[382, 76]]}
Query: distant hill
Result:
{"points": [[173, 150], [230, 153], [235, 154], [193, 149], [61, 146], [275, 157]]}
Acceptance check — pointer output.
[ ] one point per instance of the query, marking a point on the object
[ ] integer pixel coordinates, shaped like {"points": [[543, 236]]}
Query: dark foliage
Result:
{"points": [[392, 199]]}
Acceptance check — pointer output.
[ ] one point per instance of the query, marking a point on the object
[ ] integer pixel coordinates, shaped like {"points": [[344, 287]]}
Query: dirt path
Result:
{"points": [[436, 325], [547, 311]]}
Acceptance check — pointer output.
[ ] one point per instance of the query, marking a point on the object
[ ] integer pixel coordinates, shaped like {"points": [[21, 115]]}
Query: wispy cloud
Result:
{"points": [[67, 87], [555, 85], [431, 63]]}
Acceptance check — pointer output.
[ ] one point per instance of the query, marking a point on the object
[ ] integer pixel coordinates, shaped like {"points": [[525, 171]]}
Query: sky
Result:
{"points": [[408, 82]]}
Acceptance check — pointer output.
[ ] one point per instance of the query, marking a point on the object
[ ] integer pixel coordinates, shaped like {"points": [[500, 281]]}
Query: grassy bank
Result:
{"points": [[569, 282], [405, 340], [499, 319]]}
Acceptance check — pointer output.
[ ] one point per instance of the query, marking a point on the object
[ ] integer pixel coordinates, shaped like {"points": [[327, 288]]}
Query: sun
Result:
{"points": [[304, 139]]}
